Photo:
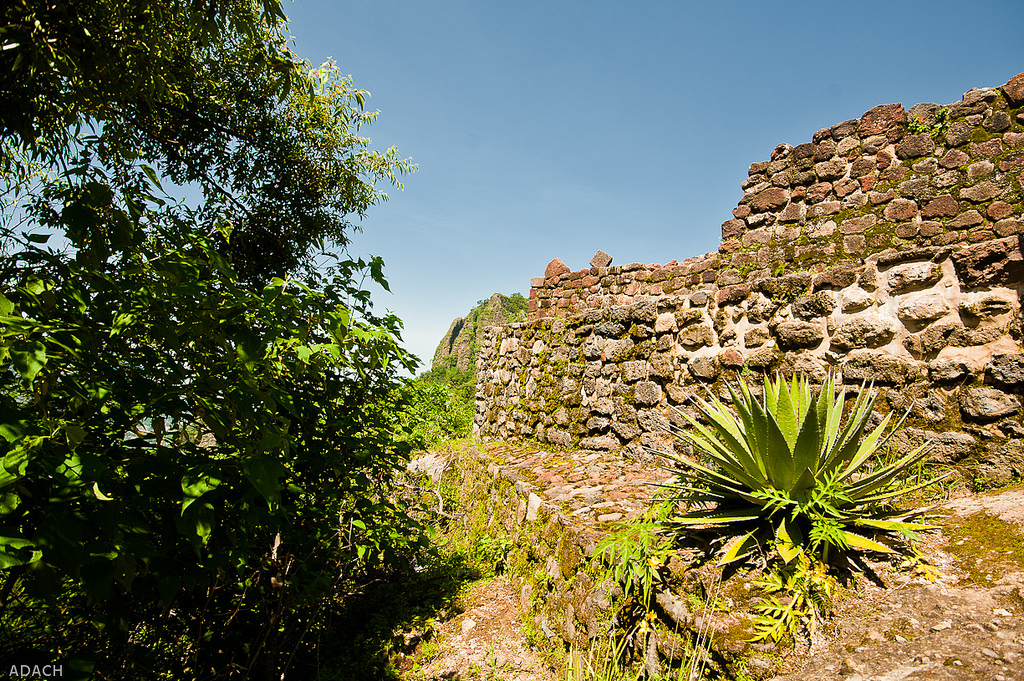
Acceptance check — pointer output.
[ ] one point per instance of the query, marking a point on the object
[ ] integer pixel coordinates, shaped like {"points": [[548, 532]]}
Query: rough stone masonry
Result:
{"points": [[886, 249]]}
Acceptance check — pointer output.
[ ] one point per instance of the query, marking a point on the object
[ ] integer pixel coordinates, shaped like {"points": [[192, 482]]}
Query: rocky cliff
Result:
{"points": [[461, 343]]}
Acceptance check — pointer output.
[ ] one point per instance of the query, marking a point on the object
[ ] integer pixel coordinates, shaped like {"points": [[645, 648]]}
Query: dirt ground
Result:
{"points": [[967, 624], [484, 642]]}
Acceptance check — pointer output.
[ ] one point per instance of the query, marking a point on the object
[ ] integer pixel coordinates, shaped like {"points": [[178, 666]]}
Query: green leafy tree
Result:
{"points": [[196, 432]]}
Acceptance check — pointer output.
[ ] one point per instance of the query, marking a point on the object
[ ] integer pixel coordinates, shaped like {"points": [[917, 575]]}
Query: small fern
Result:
{"points": [[797, 595]]}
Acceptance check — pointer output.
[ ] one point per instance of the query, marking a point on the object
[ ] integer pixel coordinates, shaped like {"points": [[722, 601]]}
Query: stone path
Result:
{"points": [[484, 641], [591, 487], [967, 625]]}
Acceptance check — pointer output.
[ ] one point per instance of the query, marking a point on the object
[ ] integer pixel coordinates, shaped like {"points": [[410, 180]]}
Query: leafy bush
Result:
{"points": [[430, 413], [787, 474]]}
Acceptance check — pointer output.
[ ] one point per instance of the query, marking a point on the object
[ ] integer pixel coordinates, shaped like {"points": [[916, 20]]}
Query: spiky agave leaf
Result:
{"points": [[778, 464]]}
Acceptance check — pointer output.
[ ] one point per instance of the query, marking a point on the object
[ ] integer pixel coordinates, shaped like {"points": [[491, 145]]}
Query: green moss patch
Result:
{"points": [[985, 546]]}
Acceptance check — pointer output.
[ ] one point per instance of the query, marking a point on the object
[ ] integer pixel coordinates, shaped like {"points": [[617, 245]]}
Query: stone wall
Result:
{"points": [[887, 249]]}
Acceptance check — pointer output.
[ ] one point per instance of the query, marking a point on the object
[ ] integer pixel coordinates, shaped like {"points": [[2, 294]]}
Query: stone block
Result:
{"points": [[555, 268], [966, 220], [885, 119], [854, 244], [913, 146], [830, 170], [819, 304], [1006, 371], [799, 334], [705, 368], [940, 206], [986, 404], [770, 199], [869, 330], [601, 259], [836, 278], [923, 308], [913, 276], [991, 263], [899, 210], [616, 350], [603, 443], [696, 336], [949, 370], [983, 191], [635, 370], [1014, 90], [881, 367], [647, 393]]}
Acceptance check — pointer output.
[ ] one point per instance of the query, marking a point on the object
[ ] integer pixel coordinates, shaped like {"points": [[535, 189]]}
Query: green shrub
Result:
{"points": [[787, 474], [785, 480], [431, 413]]}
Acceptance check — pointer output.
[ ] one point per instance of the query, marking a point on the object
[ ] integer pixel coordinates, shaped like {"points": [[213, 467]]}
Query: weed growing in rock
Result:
{"points": [[915, 125], [636, 555]]}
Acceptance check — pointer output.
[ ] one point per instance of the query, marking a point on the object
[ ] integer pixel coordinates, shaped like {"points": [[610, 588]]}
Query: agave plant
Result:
{"points": [[785, 473]]}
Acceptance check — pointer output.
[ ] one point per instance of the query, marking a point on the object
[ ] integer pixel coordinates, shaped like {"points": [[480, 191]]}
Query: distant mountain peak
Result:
{"points": [[459, 346]]}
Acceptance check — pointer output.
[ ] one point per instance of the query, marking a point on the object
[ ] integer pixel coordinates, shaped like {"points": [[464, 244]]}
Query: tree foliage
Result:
{"points": [[434, 412], [196, 434]]}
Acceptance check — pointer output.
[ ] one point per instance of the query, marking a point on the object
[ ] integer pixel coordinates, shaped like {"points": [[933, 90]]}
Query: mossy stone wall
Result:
{"points": [[887, 249]]}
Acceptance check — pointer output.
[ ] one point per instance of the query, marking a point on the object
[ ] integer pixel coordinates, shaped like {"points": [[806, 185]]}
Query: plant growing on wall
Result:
{"points": [[915, 125]]}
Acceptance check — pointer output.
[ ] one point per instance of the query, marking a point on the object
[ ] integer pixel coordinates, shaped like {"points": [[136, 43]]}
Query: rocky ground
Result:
{"points": [[966, 624], [483, 640], [969, 624]]}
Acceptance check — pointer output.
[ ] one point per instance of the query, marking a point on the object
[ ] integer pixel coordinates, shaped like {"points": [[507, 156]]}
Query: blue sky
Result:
{"points": [[554, 129]]}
